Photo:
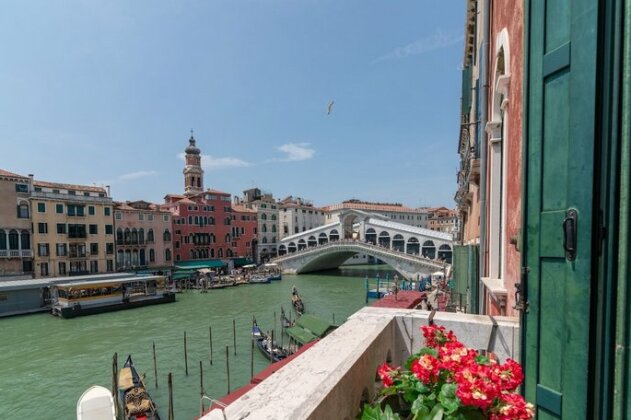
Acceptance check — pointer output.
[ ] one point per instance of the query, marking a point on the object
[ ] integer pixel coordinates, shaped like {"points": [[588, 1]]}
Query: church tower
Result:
{"points": [[193, 173]]}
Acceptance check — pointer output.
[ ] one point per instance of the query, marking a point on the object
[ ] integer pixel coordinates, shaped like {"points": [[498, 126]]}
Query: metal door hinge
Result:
{"points": [[521, 303]]}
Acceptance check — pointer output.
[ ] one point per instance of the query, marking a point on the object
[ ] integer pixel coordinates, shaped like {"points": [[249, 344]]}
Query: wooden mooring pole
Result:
{"points": [[228, 367], [155, 364], [185, 355], [115, 381], [234, 336], [252, 361], [210, 340], [201, 388], [170, 386]]}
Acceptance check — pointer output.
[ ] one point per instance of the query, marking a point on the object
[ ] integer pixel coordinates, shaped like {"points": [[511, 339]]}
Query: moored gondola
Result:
{"points": [[134, 399], [266, 345], [297, 302]]}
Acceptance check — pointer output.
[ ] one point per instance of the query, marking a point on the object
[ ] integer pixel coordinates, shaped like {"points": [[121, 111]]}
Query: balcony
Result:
{"points": [[16, 253], [334, 377]]}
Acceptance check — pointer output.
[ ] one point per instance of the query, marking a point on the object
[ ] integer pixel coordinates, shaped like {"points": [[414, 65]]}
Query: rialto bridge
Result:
{"points": [[408, 249]]}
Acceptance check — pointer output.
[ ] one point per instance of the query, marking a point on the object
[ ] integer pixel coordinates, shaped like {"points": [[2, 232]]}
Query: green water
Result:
{"points": [[46, 363]]}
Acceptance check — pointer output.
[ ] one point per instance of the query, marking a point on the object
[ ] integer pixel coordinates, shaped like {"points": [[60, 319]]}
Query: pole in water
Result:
{"points": [[115, 381], [252, 361], [366, 281], [201, 388], [170, 385], [185, 355], [274, 322], [228, 367], [271, 349], [210, 340], [155, 364], [234, 336], [333, 319]]}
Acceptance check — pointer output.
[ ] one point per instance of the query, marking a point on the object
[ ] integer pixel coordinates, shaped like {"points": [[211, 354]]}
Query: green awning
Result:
{"points": [[316, 326], [300, 335], [183, 274], [240, 262], [197, 264]]}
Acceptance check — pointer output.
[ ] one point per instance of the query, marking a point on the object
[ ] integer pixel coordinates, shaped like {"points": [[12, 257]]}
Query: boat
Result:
{"points": [[273, 271], [96, 403], [297, 302], [135, 402], [80, 298], [266, 345], [284, 322], [257, 278]]}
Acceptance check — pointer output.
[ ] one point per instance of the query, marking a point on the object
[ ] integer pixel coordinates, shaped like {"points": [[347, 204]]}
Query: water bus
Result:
{"points": [[93, 297]]}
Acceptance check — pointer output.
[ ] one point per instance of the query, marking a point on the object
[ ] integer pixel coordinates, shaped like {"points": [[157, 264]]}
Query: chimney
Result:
{"points": [[108, 190]]}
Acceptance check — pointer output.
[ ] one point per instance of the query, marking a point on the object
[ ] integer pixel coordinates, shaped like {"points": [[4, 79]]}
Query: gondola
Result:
{"points": [[263, 341], [284, 322], [134, 399], [296, 301]]}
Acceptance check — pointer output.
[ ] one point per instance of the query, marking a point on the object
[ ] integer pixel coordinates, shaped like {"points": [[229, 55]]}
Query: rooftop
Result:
{"points": [[73, 187], [11, 174]]}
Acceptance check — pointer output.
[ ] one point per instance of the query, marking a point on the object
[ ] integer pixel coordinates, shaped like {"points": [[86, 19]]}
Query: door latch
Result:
{"points": [[570, 234]]}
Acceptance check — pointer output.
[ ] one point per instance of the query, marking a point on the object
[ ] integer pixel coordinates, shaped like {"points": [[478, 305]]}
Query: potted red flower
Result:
{"points": [[446, 380]]}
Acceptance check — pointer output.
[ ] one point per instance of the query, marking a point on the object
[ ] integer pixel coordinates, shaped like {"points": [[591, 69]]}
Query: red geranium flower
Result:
{"points": [[386, 374], [426, 368], [512, 407], [509, 375]]}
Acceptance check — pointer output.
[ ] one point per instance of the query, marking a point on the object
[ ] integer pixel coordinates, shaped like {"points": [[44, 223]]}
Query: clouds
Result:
{"points": [[135, 175], [433, 42], [296, 152]]}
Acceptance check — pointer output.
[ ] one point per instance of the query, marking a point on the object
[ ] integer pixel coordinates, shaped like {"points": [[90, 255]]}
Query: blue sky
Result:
{"points": [[107, 92]]}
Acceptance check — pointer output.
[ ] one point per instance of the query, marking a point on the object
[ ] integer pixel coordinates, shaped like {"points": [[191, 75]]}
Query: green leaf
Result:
{"points": [[371, 413], [421, 388], [471, 413], [419, 408], [428, 350], [389, 414], [448, 399], [482, 360], [436, 413]]}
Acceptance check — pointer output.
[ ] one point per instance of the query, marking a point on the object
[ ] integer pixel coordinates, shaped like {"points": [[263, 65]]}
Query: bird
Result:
{"points": [[329, 108]]}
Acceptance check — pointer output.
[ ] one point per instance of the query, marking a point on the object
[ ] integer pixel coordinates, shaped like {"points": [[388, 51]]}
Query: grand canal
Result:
{"points": [[46, 363]]}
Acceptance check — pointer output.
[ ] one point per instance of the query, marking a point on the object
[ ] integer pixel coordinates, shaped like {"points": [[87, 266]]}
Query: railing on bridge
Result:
{"points": [[390, 252]]}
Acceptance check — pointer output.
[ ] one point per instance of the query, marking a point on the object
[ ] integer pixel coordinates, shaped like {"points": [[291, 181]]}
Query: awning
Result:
{"points": [[183, 274], [197, 264], [240, 262], [300, 335]]}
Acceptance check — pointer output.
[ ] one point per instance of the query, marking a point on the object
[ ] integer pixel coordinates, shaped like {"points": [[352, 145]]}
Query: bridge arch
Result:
{"points": [[445, 253], [398, 243], [334, 235], [312, 241], [302, 244], [371, 236], [429, 249], [413, 246], [322, 238], [384, 239], [291, 248]]}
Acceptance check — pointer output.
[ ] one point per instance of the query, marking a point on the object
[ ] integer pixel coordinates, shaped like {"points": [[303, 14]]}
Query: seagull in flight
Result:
{"points": [[329, 108]]}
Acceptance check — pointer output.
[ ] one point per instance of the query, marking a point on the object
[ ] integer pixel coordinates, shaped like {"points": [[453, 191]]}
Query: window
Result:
{"points": [[150, 217], [62, 268], [77, 251], [93, 229], [118, 215], [71, 192], [152, 255], [59, 208], [109, 229], [91, 210], [94, 248], [109, 248], [21, 188], [43, 269], [77, 267], [150, 235], [107, 211], [166, 237], [167, 254], [76, 231], [110, 266], [23, 212], [41, 207], [94, 266], [165, 218], [42, 227], [62, 251], [61, 228], [43, 250], [141, 216], [76, 210]]}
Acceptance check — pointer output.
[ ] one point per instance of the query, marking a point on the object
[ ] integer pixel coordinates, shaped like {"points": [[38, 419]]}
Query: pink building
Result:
{"points": [[143, 236]]}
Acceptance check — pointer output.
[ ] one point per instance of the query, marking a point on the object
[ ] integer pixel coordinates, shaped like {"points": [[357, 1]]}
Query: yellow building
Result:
{"points": [[73, 229], [15, 226]]}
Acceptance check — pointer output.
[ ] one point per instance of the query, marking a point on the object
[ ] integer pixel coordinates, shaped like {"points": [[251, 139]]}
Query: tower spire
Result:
{"points": [[193, 172]]}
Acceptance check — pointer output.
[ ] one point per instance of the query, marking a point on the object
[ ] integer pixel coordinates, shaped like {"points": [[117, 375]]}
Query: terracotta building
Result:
{"points": [[73, 229], [143, 236], [16, 255]]}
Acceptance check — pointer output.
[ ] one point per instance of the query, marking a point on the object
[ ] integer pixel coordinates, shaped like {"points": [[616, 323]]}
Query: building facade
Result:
{"points": [[16, 254], [73, 229], [397, 212], [297, 215], [443, 219], [244, 231], [143, 236], [267, 216]]}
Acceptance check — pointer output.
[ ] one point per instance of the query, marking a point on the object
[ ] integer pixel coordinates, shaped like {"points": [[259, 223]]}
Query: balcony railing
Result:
{"points": [[331, 379], [16, 253]]}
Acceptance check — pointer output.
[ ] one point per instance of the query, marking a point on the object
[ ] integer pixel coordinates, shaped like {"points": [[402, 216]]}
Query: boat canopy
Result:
{"points": [[197, 264], [300, 335], [315, 325]]}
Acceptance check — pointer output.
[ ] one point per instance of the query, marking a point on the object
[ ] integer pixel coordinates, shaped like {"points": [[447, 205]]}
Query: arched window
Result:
{"points": [[322, 238], [190, 220], [227, 221], [291, 247], [120, 258], [25, 238], [220, 253], [3, 239], [229, 253], [312, 241], [134, 236], [282, 250], [167, 254], [211, 220], [444, 253], [212, 253], [429, 249], [23, 210], [142, 257], [166, 236], [384, 239], [119, 235], [334, 235], [14, 242], [141, 235], [302, 244], [264, 240], [398, 243], [273, 228], [227, 238], [371, 236], [273, 217], [413, 246], [152, 255], [127, 236], [150, 235], [264, 228], [263, 216], [273, 239]]}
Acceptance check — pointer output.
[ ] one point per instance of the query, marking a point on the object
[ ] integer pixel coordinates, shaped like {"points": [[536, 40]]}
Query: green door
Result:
{"points": [[559, 114]]}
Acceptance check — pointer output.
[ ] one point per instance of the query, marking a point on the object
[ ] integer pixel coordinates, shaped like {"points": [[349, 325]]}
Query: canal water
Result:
{"points": [[46, 362]]}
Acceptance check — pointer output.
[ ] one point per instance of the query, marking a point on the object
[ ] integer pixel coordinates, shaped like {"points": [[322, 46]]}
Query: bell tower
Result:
{"points": [[193, 172]]}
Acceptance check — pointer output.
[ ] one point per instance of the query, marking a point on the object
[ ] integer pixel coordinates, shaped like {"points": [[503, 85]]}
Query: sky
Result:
{"points": [[107, 92]]}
